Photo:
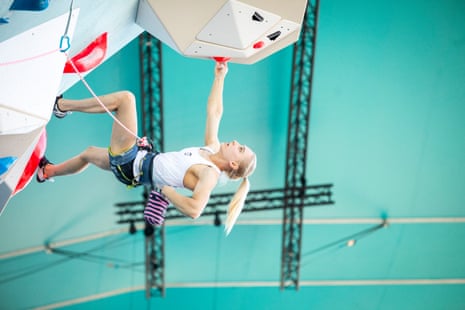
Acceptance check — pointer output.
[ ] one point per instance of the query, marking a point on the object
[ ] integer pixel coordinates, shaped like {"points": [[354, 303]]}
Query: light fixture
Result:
{"points": [[132, 228], [217, 220], [351, 242]]}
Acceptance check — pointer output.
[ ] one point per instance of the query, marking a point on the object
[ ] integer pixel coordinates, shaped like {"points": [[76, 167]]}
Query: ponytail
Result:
{"points": [[238, 200], [236, 205]]}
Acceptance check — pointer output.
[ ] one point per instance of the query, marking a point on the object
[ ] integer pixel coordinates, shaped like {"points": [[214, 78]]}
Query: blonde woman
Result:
{"points": [[195, 168]]}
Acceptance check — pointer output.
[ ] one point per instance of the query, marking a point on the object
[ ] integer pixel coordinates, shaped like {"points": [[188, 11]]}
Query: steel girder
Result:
{"points": [[260, 200], [296, 157], [293, 198], [152, 125]]}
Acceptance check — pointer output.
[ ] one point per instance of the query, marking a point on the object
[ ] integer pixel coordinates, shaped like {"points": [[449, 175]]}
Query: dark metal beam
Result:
{"points": [[293, 198], [154, 261], [152, 125], [260, 200], [296, 157]]}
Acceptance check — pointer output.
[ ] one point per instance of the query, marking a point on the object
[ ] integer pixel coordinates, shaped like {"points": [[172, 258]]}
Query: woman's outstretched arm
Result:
{"points": [[215, 106]]}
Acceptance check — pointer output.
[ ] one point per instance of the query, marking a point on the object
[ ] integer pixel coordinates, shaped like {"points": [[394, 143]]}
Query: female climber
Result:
{"points": [[134, 163]]}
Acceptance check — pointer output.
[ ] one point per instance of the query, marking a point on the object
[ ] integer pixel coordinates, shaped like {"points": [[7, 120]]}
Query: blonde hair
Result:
{"points": [[237, 202]]}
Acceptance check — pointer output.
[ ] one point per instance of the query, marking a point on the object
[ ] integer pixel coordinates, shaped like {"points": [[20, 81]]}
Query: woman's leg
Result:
{"points": [[92, 155], [123, 103]]}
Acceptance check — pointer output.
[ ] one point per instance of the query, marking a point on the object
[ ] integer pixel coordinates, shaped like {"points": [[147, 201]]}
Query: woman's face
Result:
{"points": [[238, 153]]}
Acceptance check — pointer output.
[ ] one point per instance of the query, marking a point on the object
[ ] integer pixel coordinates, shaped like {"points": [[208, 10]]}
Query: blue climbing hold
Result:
{"points": [[5, 163], [29, 5]]}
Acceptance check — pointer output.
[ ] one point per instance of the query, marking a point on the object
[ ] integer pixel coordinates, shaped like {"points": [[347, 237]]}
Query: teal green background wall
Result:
{"points": [[387, 128]]}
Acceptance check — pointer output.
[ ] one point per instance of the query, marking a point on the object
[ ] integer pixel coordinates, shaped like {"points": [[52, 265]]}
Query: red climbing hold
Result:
{"points": [[90, 57], [259, 44], [31, 166], [221, 59]]}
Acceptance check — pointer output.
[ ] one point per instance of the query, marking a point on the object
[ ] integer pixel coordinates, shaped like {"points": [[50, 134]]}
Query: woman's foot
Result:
{"points": [[41, 176], [56, 110]]}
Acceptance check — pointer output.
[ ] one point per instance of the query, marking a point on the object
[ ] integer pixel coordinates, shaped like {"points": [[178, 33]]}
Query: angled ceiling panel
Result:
{"points": [[245, 31]]}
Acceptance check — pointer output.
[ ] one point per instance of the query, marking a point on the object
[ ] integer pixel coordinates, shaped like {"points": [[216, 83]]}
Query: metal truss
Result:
{"points": [[152, 91], [296, 157], [261, 200], [152, 125], [154, 261], [292, 198]]}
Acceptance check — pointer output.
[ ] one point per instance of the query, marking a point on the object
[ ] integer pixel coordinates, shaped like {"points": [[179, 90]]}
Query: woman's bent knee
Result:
{"points": [[97, 156], [127, 97]]}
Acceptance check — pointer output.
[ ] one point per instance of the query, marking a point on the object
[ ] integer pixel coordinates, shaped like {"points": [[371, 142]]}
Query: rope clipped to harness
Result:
{"points": [[144, 144]]}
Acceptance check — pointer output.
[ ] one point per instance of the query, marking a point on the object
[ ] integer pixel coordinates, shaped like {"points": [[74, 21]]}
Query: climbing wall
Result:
{"points": [[29, 79], [38, 39]]}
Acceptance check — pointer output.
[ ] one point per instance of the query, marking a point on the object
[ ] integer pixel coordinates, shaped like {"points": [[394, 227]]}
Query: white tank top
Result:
{"points": [[171, 167]]}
